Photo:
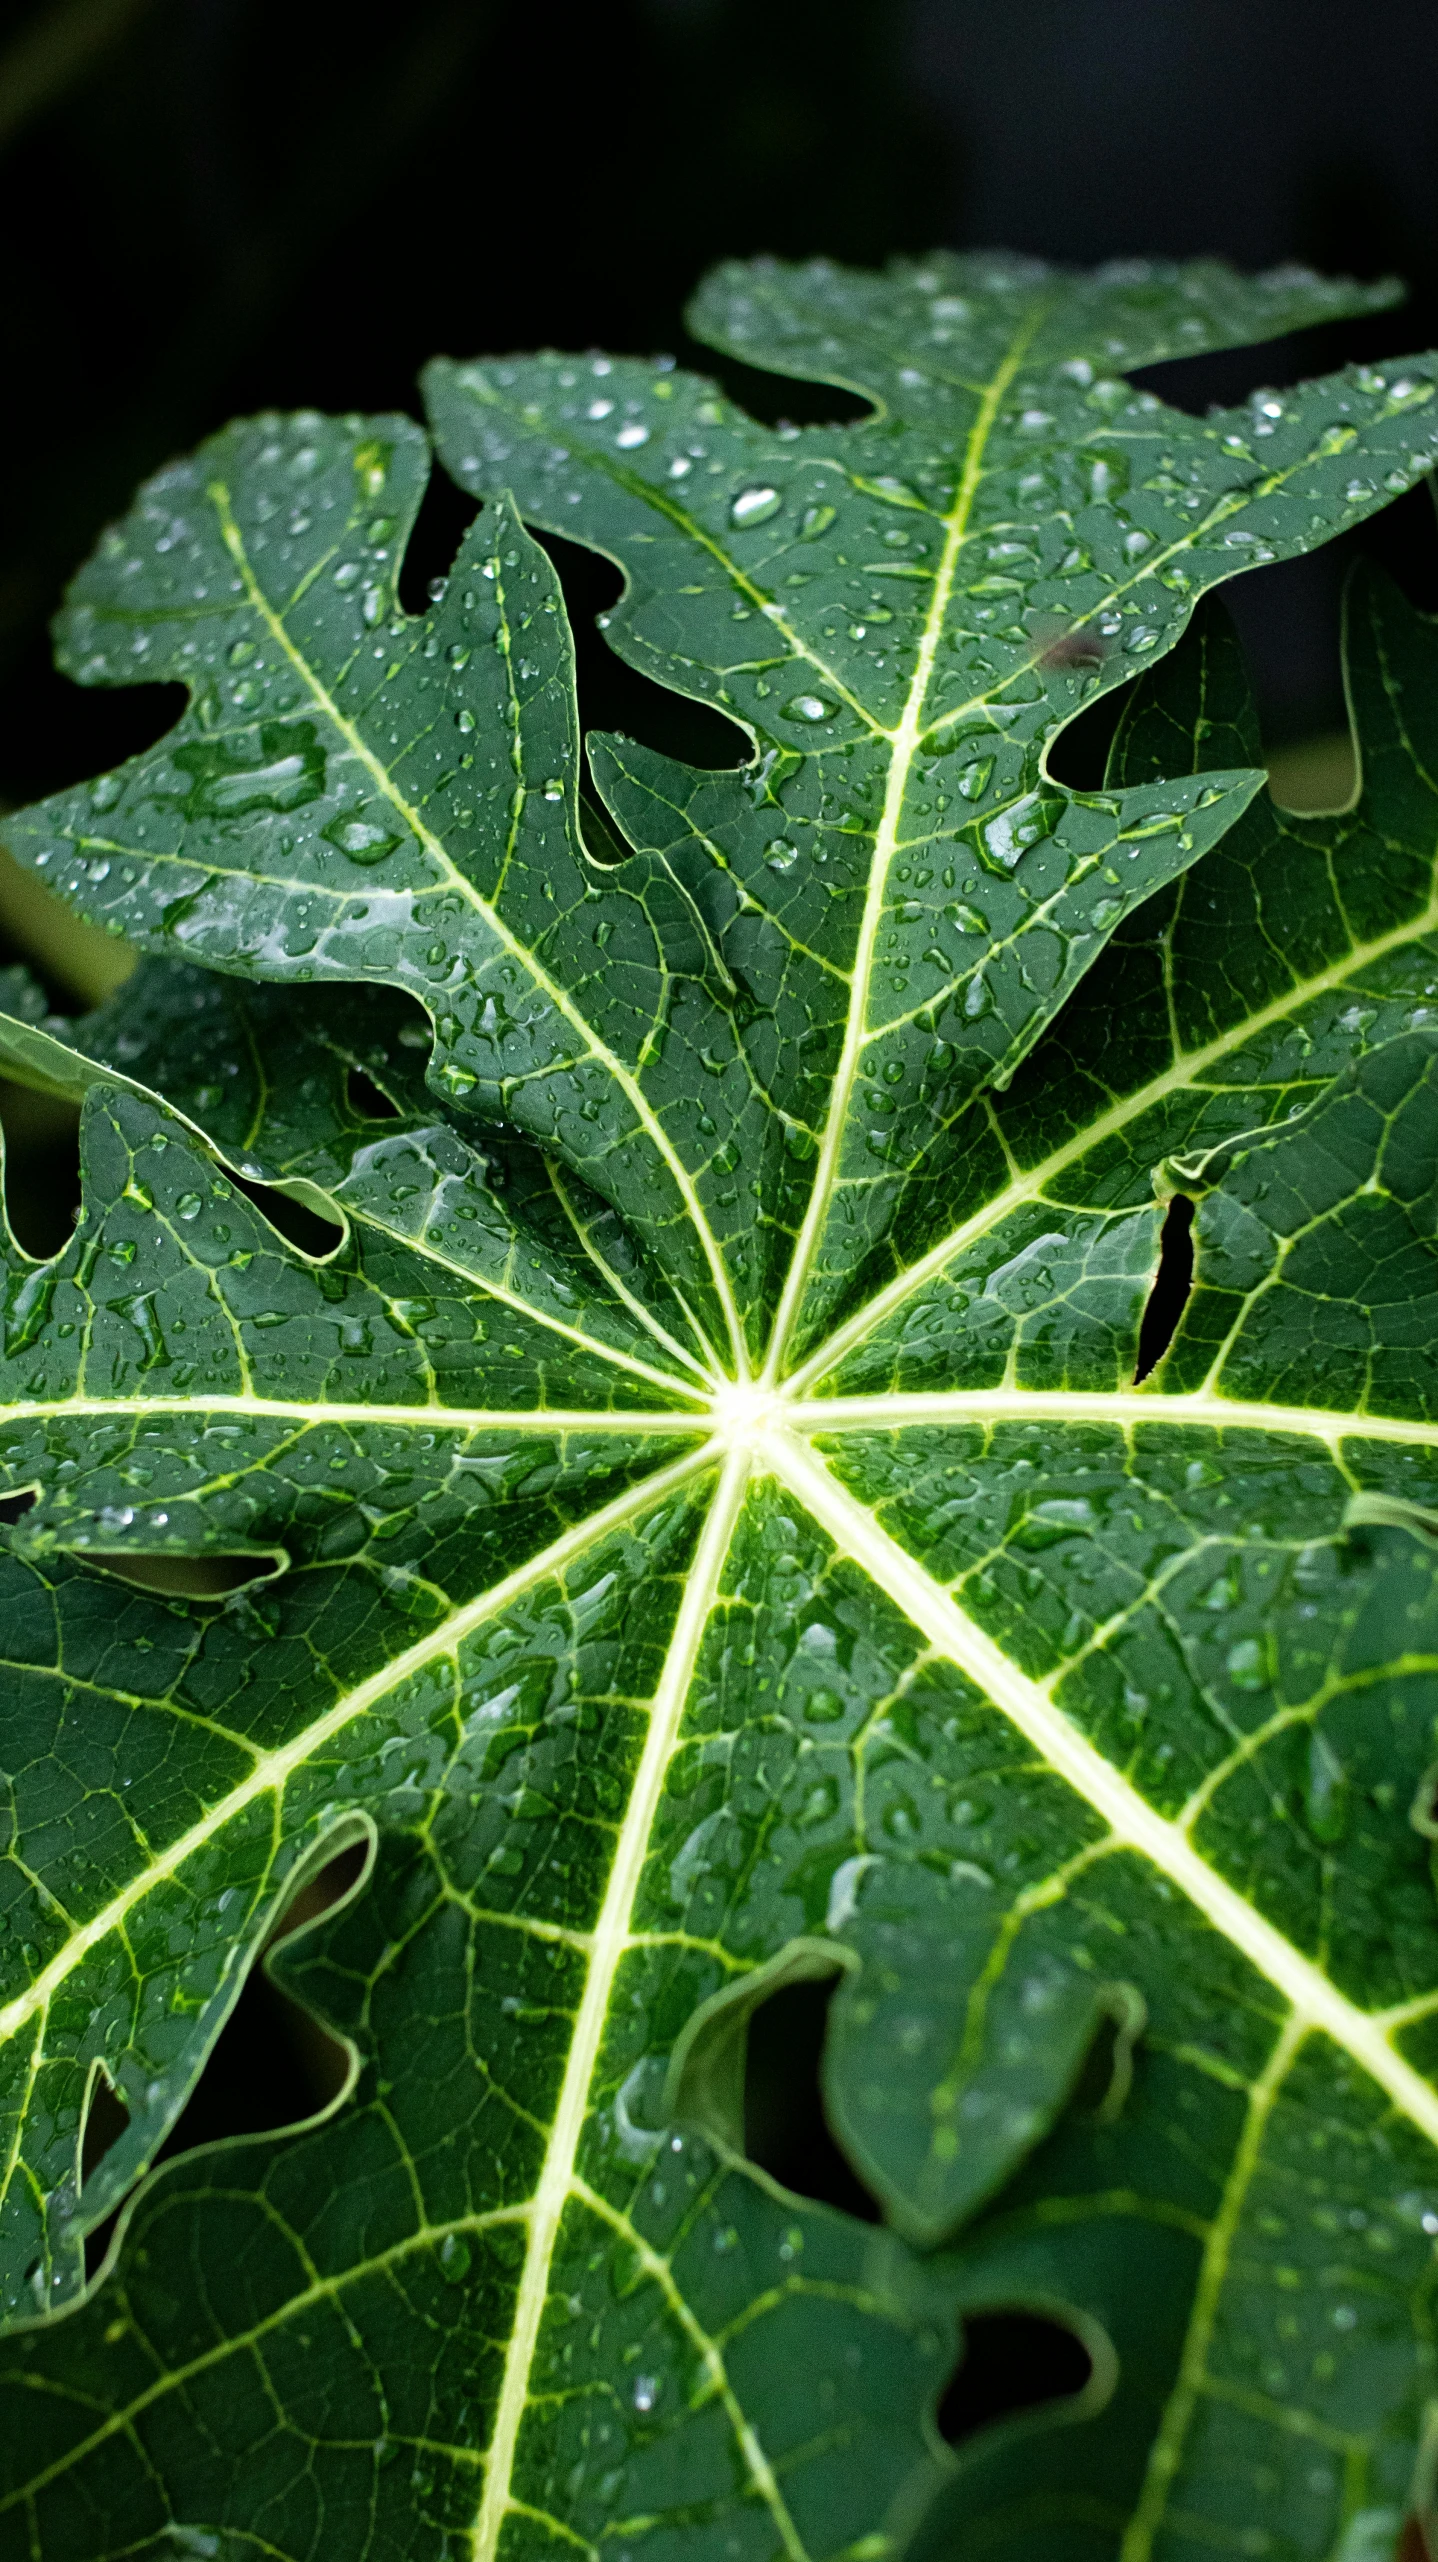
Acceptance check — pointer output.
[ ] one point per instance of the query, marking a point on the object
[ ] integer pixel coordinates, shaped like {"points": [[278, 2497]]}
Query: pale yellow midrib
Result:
{"points": [[297, 1409], [507, 1298], [1133, 1823], [658, 2270], [609, 1940], [905, 741], [1125, 1408], [1030, 1187], [550, 988], [273, 1770], [665, 504], [614, 1281], [1167, 2448], [1230, 502]]}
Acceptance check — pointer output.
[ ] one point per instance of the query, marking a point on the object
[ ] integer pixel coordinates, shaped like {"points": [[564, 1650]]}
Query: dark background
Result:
{"points": [[212, 206]]}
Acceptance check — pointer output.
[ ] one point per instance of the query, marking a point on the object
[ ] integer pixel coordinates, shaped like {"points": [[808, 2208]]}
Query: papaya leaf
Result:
{"points": [[682, 1344]]}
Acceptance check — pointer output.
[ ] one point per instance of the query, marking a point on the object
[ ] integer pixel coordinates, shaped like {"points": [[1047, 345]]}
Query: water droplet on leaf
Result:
{"points": [[754, 506]]}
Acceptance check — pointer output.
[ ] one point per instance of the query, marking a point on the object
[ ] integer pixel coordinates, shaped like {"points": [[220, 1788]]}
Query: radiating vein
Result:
{"points": [[609, 1941], [554, 993], [1135, 1825], [738, 1431], [541, 1419], [1127, 1408], [905, 742], [1034, 1185], [273, 1769]]}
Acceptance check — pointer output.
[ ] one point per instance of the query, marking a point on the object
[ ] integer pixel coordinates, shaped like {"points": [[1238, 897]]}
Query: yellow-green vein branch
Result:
{"points": [[550, 988], [609, 1942], [905, 742], [273, 1770], [1134, 1824]]}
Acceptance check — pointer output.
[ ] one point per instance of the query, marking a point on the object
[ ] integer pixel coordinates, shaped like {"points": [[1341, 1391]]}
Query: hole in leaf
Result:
{"points": [[364, 1098], [42, 1167], [207, 1578], [613, 695], [1172, 1284], [1412, 2543], [1012, 2361], [601, 837], [13, 1507], [785, 2129], [297, 1222], [319, 1893], [1404, 537], [1288, 618], [272, 2066], [105, 2122], [1224, 376], [445, 515]]}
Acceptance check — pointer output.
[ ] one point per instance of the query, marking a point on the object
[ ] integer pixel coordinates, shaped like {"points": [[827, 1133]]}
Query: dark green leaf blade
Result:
{"points": [[338, 1696], [827, 323], [1306, 945], [285, 1090], [391, 2311], [353, 794], [924, 598], [1072, 1728]]}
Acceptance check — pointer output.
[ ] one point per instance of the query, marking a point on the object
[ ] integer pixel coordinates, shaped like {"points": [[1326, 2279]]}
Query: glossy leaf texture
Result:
{"points": [[661, 1340]]}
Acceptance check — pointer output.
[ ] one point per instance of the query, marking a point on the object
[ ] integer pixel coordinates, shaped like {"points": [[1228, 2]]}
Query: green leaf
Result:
{"points": [[355, 795], [904, 613], [704, 1529]]}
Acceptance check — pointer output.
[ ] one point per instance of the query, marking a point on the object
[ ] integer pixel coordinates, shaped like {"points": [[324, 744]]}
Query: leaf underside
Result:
{"points": [[696, 1520]]}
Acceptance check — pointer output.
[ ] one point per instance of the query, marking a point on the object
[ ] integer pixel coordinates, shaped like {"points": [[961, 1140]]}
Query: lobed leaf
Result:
{"points": [[707, 1531]]}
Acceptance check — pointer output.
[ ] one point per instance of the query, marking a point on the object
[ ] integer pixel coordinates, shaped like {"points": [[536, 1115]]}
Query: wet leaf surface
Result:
{"points": [[671, 1409]]}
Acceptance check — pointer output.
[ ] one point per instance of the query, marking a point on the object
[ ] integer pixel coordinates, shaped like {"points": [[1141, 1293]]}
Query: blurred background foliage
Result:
{"points": [[216, 206]]}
